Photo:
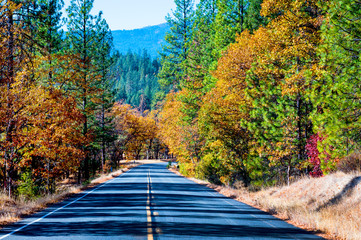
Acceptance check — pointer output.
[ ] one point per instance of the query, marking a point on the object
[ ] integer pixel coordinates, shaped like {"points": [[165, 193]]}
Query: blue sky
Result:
{"points": [[132, 14]]}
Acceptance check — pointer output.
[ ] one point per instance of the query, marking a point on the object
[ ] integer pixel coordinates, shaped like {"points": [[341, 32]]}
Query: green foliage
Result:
{"points": [[175, 50], [336, 92], [135, 80], [200, 58], [253, 19], [27, 187], [229, 22], [212, 168]]}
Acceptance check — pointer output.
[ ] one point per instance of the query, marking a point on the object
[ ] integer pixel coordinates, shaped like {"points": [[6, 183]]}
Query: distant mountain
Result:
{"points": [[149, 38]]}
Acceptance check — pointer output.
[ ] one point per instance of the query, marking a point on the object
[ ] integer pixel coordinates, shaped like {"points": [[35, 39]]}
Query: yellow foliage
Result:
{"points": [[134, 129]]}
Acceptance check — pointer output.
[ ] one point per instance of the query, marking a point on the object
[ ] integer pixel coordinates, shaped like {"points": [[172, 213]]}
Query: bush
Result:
{"points": [[213, 169], [27, 187], [187, 169], [350, 163], [169, 165]]}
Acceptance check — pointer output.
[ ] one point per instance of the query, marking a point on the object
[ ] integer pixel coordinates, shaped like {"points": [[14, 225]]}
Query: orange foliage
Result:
{"points": [[281, 80], [181, 137], [45, 129], [134, 130]]}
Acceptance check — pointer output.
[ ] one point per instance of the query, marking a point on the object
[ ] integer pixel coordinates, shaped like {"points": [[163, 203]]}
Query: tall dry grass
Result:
{"points": [[13, 209], [331, 204]]}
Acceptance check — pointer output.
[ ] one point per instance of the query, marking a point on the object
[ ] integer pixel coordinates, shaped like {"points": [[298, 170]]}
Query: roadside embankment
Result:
{"points": [[330, 205]]}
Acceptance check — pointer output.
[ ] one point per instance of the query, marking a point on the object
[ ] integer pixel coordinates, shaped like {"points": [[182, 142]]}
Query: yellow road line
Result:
{"points": [[149, 212]]}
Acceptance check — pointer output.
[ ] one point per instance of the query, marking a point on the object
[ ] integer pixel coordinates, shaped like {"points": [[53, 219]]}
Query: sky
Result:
{"points": [[132, 14]]}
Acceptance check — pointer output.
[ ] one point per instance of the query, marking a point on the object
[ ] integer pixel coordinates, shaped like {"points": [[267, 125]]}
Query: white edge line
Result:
{"points": [[39, 219]]}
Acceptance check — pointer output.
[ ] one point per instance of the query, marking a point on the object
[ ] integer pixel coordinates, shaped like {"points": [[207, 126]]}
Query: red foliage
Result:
{"points": [[313, 154]]}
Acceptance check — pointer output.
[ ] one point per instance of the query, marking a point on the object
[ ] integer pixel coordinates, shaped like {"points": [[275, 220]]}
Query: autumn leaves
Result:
{"points": [[250, 92], [272, 90], [51, 92]]}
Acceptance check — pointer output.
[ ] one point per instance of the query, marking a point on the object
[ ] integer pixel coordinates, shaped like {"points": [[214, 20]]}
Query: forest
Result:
{"points": [[245, 92], [262, 91], [135, 80], [60, 112]]}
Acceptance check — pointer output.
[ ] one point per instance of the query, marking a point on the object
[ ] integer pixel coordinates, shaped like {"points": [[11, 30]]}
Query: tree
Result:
{"points": [[53, 137], [13, 58], [135, 132], [278, 82], [84, 39], [135, 75], [104, 61], [336, 92], [200, 59], [223, 110], [229, 22], [253, 19], [175, 51]]}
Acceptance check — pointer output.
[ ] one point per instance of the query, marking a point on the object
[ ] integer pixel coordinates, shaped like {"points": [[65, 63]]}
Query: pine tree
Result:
{"points": [[47, 35], [135, 74], [201, 59], [175, 51], [83, 41], [104, 60], [253, 19], [336, 92], [229, 22]]}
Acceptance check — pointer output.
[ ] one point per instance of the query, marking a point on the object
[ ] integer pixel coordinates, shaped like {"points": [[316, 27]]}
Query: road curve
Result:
{"points": [[150, 202]]}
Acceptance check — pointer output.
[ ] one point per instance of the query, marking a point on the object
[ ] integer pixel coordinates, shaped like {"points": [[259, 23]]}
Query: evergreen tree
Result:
{"points": [[48, 36], [103, 62], [175, 51], [201, 60], [336, 92], [85, 33], [253, 19], [44, 20], [135, 77], [229, 22]]}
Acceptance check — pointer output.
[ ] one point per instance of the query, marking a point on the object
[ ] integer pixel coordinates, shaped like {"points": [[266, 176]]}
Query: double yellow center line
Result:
{"points": [[149, 211]]}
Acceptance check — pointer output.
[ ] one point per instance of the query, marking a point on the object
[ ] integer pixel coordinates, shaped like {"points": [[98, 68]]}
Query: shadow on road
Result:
{"points": [[185, 210]]}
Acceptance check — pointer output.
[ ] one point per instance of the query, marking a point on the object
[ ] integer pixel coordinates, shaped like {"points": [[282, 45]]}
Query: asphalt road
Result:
{"points": [[150, 202]]}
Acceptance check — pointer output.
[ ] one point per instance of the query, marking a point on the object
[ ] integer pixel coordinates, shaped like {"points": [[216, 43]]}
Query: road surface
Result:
{"points": [[150, 202]]}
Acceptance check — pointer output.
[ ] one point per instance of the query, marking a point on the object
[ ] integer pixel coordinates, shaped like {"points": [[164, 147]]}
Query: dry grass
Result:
{"points": [[331, 204], [12, 210]]}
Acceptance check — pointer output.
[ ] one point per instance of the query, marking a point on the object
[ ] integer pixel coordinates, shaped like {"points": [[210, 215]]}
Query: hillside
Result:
{"points": [[149, 38]]}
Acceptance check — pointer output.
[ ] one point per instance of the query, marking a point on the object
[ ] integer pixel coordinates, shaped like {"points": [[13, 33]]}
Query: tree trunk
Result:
{"points": [[288, 173], [103, 140], [10, 80]]}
